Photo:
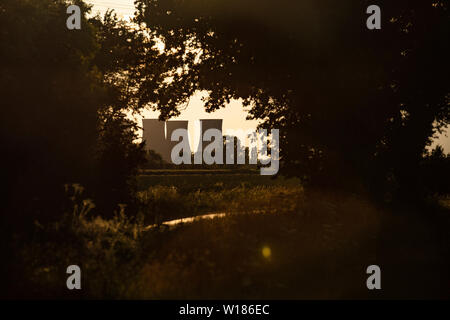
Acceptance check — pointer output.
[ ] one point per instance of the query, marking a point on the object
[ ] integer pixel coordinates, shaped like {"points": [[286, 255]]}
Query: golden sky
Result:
{"points": [[233, 115]]}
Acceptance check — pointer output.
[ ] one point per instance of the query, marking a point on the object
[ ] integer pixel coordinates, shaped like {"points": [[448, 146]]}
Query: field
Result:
{"points": [[190, 193], [275, 241], [193, 180]]}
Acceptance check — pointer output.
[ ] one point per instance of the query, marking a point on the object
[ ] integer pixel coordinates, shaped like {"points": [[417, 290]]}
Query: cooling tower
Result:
{"points": [[154, 136], [171, 126], [206, 124]]}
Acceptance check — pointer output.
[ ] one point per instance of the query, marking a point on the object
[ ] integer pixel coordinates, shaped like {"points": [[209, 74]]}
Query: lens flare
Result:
{"points": [[266, 252]]}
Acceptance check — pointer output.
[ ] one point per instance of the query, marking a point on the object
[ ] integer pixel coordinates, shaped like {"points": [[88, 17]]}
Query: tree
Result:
{"points": [[133, 71], [65, 96], [48, 129], [50, 97], [118, 159], [434, 172], [351, 103]]}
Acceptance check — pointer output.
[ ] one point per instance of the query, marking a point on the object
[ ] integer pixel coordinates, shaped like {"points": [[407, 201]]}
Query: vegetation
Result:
{"points": [[222, 194], [272, 253], [351, 104]]}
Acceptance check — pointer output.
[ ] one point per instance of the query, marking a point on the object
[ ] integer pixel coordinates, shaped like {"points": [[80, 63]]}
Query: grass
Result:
{"points": [[169, 197], [298, 245], [161, 203], [208, 181], [318, 249]]}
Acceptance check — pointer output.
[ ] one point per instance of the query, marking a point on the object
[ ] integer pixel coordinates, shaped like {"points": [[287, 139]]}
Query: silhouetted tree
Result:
{"points": [[65, 95], [354, 106], [118, 159], [50, 97], [434, 172], [62, 90]]}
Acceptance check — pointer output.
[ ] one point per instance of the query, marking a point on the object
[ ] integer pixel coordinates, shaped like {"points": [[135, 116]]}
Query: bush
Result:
{"points": [[435, 172], [107, 251]]}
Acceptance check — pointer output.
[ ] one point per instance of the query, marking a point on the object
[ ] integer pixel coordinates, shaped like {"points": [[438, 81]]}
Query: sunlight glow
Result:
{"points": [[266, 252]]}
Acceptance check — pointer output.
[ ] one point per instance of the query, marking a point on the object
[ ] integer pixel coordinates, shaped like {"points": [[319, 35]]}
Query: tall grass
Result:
{"points": [[107, 251], [317, 248], [162, 203], [276, 242]]}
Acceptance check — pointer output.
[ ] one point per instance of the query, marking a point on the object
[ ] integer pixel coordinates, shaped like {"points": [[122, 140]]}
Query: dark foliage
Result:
{"points": [[355, 107], [50, 98], [435, 172], [118, 160], [64, 98]]}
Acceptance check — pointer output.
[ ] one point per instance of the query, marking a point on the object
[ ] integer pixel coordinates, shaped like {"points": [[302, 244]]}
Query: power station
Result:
{"points": [[157, 134], [206, 124]]}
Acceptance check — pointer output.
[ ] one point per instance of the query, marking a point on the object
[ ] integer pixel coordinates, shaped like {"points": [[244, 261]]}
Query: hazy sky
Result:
{"points": [[233, 115]]}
